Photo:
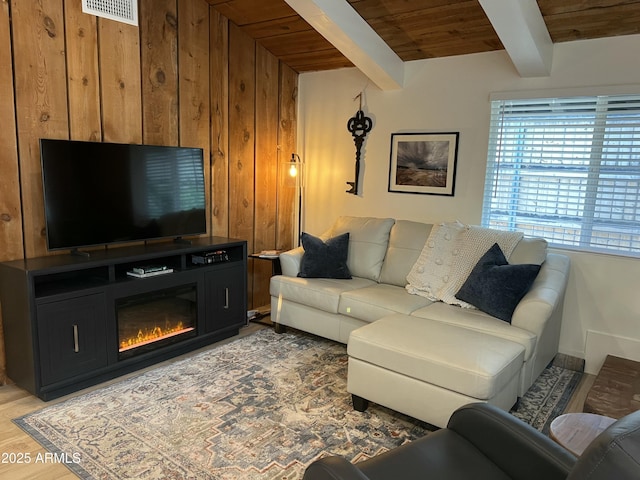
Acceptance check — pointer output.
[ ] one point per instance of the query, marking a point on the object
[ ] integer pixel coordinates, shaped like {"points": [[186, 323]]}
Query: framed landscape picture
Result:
{"points": [[423, 163]]}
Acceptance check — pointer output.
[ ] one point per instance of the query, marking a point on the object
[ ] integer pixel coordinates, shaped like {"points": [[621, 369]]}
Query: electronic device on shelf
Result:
{"points": [[150, 268], [149, 271], [207, 258]]}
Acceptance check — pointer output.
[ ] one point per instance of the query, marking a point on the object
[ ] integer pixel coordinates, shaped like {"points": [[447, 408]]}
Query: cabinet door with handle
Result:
{"points": [[71, 334], [226, 298]]}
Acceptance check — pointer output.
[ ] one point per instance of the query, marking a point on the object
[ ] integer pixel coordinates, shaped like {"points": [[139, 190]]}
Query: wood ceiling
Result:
{"points": [[420, 29]]}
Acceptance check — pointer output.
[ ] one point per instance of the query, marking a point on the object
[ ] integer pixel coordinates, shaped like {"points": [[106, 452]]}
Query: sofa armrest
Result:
{"points": [[516, 447], [290, 261], [545, 295], [333, 468]]}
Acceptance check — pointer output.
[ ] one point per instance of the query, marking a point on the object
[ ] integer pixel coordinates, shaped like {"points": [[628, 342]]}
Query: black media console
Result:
{"points": [[73, 321]]}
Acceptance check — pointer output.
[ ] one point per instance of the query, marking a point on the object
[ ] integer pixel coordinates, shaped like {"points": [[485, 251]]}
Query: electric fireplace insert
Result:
{"points": [[153, 320]]}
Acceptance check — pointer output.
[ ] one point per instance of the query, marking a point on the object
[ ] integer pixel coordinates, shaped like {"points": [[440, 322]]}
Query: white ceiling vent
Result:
{"points": [[125, 11]]}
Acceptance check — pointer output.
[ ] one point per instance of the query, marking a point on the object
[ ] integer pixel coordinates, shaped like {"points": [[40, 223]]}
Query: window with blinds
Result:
{"points": [[568, 170]]}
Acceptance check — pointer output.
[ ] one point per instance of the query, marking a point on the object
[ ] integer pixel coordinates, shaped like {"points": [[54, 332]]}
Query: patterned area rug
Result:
{"points": [[548, 397], [263, 406]]}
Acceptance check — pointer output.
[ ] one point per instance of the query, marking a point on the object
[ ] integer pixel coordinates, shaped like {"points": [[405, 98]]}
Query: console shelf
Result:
{"points": [[61, 312]]}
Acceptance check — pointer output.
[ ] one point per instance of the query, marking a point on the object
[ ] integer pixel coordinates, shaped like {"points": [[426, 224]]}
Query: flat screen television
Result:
{"points": [[104, 193]]}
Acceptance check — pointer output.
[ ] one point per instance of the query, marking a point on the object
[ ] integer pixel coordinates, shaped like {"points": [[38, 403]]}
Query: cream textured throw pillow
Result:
{"points": [[431, 271], [449, 255]]}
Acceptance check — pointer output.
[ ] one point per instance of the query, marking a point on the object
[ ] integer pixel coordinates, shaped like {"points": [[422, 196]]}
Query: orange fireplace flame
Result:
{"points": [[154, 334]]}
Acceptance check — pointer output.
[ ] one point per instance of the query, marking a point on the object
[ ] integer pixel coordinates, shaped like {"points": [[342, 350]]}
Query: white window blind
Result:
{"points": [[568, 170]]}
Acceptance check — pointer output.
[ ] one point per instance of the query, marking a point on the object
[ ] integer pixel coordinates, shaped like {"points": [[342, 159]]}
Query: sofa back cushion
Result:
{"points": [[532, 250], [368, 241], [406, 241]]}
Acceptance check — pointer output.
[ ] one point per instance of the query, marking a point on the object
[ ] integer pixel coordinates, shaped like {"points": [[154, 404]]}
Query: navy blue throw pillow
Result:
{"points": [[495, 287], [325, 259]]}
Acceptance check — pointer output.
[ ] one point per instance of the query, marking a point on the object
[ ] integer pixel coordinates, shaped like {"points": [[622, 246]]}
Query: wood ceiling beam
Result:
{"points": [[522, 30], [345, 29]]}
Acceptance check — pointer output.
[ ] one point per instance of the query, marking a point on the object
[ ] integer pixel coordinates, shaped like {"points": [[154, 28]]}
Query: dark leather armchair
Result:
{"points": [[484, 442]]}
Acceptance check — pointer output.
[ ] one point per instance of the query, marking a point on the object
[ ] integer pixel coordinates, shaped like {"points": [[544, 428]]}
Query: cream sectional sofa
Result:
{"points": [[409, 353]]}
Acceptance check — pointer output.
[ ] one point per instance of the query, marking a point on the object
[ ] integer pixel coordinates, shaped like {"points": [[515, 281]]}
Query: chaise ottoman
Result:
{"points": [[427, 369]]}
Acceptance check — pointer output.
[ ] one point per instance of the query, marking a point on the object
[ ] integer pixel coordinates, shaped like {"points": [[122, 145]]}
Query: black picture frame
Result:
{"points": [[423, 163]]}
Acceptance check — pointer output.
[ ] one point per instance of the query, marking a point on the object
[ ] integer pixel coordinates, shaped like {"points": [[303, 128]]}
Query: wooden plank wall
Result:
{"points": [[11, 240], [185, 76]]}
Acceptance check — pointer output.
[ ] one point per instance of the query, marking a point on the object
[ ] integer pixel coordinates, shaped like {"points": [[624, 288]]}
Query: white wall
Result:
{"points": [[452, 95]]}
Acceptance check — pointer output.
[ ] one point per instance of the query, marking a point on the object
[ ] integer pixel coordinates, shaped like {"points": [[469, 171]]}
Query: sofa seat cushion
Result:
{"points": [[481, 322], [321, 293], [458, 359], [377, 301]]}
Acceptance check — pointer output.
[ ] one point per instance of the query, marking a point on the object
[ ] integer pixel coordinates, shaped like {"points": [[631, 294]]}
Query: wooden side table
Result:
{"points": [[616, 390], [276, 269], [575, 431]]}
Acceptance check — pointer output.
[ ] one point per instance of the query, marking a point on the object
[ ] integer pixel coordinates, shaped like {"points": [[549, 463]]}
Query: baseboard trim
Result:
{"points": [[599, 344], [569, 362]]}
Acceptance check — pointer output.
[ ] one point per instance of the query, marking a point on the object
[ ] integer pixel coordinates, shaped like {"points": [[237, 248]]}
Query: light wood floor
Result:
{"points": [[14, 443]]}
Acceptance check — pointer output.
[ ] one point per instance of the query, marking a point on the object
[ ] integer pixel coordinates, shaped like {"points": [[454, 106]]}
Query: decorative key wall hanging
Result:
{"points": [[358, 126]]}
